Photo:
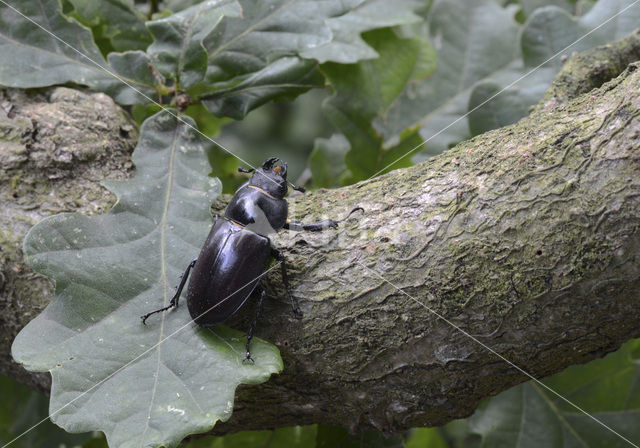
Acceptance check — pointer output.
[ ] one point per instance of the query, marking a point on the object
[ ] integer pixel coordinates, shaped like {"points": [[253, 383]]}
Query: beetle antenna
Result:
{"points": [[355, 209], [245, 170], [300, 189]]}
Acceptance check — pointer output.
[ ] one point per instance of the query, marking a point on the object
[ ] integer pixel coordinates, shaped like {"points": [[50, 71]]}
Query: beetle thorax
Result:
{"points": [[271, 182]]}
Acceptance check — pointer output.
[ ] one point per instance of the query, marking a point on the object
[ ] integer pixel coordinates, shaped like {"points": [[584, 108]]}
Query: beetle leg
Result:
{"points": [[320, 225], [248, 358], [183, 280], [285, 279], [176, 297], [314, 227]]}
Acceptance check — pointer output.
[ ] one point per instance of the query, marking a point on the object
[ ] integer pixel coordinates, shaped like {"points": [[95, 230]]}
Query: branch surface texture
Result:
{"points": [[526, 237]]}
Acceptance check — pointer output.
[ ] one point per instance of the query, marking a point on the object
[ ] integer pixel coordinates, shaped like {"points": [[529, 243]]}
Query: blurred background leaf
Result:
{"points": [[328, 168], [282, 129], [364, 92], [336, 437], [20, 409], [425, 438], [482, 48], [292, 437], [529, 415], [472, 42]]}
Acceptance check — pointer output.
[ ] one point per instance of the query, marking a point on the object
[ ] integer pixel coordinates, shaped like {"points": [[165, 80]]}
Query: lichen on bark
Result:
{"points": [[525, 237]]}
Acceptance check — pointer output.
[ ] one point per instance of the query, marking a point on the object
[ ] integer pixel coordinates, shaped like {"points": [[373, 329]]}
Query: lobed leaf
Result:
{"points": [[551, 29], [254, 59], [135, 82], [234, 55], [109, 372], [178, 5]]}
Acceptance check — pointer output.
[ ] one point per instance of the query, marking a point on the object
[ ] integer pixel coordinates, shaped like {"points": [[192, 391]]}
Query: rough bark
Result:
{"points": [[526, 237]]}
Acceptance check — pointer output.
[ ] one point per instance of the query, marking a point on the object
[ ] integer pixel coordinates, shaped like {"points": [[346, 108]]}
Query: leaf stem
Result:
{"points": [[153, 8]]}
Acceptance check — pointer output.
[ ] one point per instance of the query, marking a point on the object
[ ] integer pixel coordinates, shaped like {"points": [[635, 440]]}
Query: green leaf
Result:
{"points": [[365, 92], [530, 416], [270, 52], [548, 31], [551, 29], [473, 41], [179, 5], [482, 50], [108, 371], [285, 78], [133, 68], [254, 59], [282, 129], [346, 45], [337, 437], [20, 409], [178, 51], [267, 31], [117, 22], [32, 57], [292, 437], [425, 438], [328, 168], [529, 6], [490, 107]]}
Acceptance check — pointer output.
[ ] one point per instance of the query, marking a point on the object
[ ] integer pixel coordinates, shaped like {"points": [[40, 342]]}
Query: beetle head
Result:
{"points": [[271, 177]]}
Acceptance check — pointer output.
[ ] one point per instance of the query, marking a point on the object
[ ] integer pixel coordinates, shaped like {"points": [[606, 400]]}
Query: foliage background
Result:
{"points": [[369, 113]]}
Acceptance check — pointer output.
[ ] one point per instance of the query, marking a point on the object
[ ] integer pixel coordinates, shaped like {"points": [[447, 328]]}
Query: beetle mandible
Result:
{"points": [[237, 252]]}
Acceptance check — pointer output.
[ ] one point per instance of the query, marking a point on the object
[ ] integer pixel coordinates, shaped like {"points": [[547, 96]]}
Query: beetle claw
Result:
{"points": [[248, 359]]}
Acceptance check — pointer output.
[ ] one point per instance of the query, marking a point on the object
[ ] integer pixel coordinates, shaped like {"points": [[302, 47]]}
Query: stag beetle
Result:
{"points": [[237, 252]]}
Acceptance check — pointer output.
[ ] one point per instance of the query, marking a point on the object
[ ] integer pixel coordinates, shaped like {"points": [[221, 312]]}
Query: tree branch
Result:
{"points": [[527, 238]]}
